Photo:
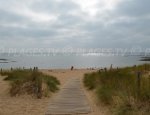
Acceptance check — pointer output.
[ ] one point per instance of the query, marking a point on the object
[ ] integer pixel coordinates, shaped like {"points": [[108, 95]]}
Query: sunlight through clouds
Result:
{"points": [[92, 7], [38, 17], [88, 6]]}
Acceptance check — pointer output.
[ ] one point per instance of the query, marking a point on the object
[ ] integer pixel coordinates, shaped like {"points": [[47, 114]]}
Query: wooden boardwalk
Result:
{"points": [[71, 100]]}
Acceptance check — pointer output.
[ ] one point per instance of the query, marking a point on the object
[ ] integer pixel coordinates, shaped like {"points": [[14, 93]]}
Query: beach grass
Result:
{"points": [[125, 90], [32, 82]]}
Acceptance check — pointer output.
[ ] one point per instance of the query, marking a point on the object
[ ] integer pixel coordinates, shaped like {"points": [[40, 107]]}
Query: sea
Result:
{"points": [[65, 61]]}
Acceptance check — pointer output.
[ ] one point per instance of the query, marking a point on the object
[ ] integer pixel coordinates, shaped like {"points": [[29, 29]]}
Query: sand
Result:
{"points": [[27, 105]]}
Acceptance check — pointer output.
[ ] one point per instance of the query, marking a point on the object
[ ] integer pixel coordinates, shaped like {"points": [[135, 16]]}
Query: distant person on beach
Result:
{"points": [[72, 68]]}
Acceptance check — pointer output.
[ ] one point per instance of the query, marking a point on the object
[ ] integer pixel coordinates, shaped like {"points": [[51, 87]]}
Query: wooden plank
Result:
{"points": [[70, 100]]}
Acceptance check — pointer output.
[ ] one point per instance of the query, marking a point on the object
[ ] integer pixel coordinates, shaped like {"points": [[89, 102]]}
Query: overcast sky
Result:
{"points": [[74, 23]]}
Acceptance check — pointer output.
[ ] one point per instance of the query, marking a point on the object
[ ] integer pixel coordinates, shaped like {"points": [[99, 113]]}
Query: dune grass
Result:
{"points": [[122, 90], [31, 82]]}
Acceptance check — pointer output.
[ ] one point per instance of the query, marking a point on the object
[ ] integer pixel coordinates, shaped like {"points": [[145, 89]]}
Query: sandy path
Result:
{"points": [[26, 105], [65, 75]]}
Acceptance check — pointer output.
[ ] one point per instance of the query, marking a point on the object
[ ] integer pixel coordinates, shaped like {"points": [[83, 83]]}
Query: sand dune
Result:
{"points": [[27, 105]]}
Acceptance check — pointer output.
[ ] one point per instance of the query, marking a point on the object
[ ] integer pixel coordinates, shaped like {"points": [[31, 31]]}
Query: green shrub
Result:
{"points": [[90, 81], [122, 84], [15, 87], [51, 82], [126, 109], [4, 73], [104, 94], [31, 82]]}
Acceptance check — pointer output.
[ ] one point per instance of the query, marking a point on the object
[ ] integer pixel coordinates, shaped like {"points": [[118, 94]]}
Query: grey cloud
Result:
{"points": [[126, 26], [6, 16], [52, 6], [26, 32], [134, 29], [136, 8]]}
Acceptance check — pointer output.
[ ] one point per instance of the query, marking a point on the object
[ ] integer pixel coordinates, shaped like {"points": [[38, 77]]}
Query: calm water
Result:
{"points": [[66, 61]]}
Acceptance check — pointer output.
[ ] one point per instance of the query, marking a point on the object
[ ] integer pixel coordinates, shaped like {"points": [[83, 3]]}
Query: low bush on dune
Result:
{"points": [[90, 82], [122, 90], [31, 82], [4, 73], [51, 82]]}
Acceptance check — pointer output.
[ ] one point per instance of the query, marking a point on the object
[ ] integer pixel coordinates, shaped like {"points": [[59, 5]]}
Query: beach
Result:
{"points": [[73, 57], [27, 105]]}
